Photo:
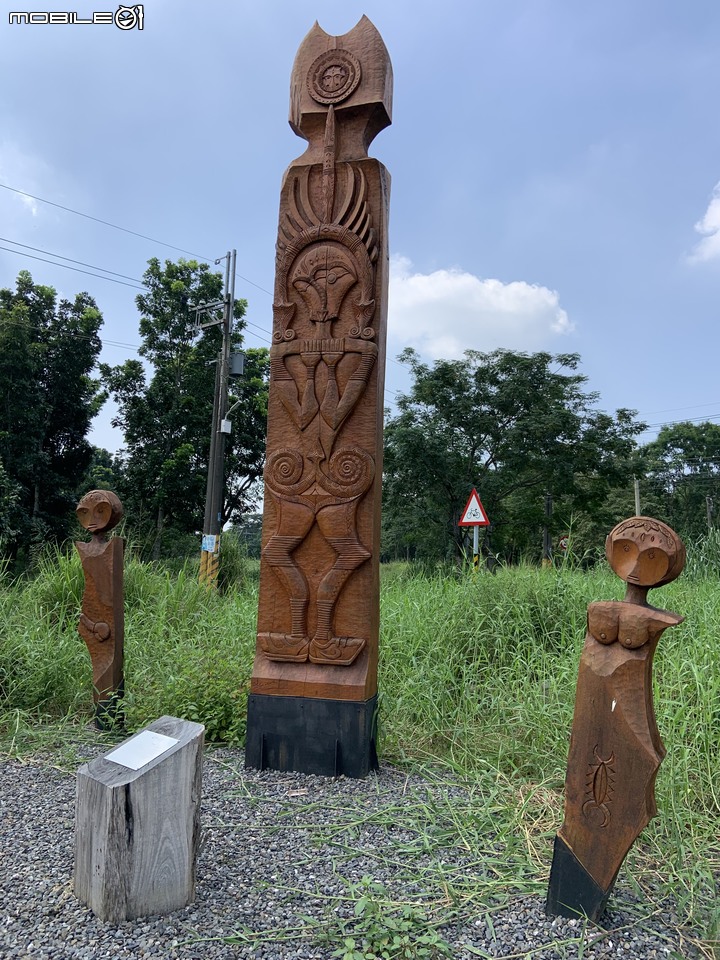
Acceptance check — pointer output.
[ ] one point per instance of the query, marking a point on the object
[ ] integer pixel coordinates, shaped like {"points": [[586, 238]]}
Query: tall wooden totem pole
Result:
{"points": [[313, 696]]}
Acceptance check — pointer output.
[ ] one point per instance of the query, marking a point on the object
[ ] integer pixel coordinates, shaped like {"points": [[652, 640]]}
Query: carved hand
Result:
{"points": [[98, 629], [310, 354]]}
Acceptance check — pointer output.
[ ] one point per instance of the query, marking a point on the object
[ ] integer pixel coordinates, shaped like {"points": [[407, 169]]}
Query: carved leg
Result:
{"points": [[337, 524], [294, 523], [107, 667]]}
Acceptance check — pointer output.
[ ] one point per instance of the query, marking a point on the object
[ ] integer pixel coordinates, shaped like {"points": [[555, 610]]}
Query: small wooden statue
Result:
{"points": [[615, 747], [102, 621]]}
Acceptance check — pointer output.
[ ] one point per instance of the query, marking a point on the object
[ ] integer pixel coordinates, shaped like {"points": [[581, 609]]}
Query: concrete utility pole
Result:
{"points": [[547, 557], [210, 553]]}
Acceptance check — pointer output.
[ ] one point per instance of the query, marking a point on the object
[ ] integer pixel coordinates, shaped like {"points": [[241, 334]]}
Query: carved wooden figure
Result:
{"points": [[615, 747], [102, 620], [318, 618]]}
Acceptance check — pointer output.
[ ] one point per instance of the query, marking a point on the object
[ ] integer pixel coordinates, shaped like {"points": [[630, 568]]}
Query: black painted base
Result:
{"points": [[572, 892], [326, 737], [110, 712]]}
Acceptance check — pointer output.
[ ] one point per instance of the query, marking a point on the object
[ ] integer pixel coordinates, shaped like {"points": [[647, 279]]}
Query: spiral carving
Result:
{"points": [[349, 473], [284, 472], [366, 333], [283, 336]]}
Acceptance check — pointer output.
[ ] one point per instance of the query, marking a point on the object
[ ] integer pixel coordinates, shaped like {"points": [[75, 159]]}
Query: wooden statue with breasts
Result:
{"points": [[615, 746]]}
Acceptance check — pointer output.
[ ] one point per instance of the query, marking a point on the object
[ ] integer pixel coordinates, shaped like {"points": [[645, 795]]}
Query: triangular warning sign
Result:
{"points": [[474, 513]]}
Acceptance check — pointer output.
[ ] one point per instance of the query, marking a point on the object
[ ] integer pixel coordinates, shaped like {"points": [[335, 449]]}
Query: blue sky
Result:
{"points": [[555, 173]]}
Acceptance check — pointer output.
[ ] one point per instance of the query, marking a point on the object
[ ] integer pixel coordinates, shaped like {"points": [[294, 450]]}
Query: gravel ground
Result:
{"points": [[279, 853]]}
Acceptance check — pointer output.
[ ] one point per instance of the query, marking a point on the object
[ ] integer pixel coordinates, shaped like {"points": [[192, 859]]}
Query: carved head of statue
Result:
{"points": [[352, 74], [645, 552], [322, 276], [99, 511]]}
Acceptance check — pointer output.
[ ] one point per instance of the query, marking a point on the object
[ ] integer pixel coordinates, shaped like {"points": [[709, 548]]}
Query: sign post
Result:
{"points": [[474, 516]]}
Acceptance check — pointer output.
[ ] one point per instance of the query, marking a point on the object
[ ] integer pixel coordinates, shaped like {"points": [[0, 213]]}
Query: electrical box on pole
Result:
{"points": [[547, 557], [237, 363]]}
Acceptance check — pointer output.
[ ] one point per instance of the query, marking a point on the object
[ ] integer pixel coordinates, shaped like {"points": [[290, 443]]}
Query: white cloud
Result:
{"points": [[445, 312], [22, 171], [709, 247], [30, 203]]}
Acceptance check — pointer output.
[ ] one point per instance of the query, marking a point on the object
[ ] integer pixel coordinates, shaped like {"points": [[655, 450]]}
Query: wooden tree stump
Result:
{"points": [[615, 747], [137, 823]]}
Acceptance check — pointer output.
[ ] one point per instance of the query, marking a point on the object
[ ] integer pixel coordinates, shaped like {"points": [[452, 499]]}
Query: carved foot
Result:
{"points": [[284, 647], [340, 651]]}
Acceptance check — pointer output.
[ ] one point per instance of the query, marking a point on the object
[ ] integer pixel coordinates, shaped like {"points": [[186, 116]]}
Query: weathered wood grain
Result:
{"points": [[615, 746], [102, 618], [137, 831], [319, 605], [318, 617]]}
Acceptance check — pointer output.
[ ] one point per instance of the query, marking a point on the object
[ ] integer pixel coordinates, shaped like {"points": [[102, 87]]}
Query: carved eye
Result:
{"points": [[331, 278], [626, 548]]}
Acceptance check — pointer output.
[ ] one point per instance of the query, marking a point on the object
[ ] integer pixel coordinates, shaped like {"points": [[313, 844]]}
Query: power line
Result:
{"points": [[100, 277], [262, 329], [695, 406], [252, 283], [673, 423], [59, 256], [133, 233], [134, 347], [93, 266], [106, 223], [66, 266]]}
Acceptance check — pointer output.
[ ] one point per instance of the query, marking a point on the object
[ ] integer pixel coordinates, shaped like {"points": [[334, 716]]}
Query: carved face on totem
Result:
{"points": [[99, 511], [323, 275], [645, 552]]}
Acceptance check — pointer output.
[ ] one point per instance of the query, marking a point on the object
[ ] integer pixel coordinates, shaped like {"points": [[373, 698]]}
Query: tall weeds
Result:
{"points": [[477, 674], [188, 651]]}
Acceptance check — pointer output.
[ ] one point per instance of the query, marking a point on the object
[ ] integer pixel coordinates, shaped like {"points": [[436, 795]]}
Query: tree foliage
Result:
{"points": [[515, 426], [681, 471], [48, 350], [165, 406]]}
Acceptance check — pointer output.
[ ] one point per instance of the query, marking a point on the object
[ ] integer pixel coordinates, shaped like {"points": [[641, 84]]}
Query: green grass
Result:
{"points": [[477, 683], [187, 651], [479, 672]]}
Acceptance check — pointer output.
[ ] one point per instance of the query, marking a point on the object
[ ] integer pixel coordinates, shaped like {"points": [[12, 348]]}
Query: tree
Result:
{"points": [[48, 350], [245, 450], [104, 472], [514, 425], [9, 496], [165, 412], [681, 470]]}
